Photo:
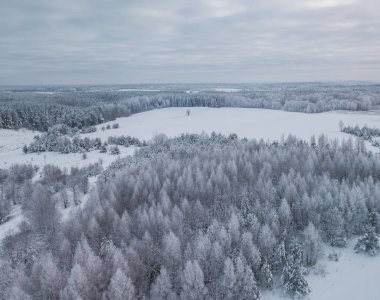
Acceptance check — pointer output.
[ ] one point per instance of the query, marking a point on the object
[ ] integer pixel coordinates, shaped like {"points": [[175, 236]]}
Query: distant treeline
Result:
{"points": [[82, 109]]}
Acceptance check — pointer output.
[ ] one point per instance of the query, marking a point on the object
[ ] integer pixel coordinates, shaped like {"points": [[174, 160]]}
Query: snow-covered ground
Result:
{"points": [[246, 122], [354, 276]]}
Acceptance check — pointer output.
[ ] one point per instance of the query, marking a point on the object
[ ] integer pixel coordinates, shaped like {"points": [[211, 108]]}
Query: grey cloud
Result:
{"points": [[95, 41]]}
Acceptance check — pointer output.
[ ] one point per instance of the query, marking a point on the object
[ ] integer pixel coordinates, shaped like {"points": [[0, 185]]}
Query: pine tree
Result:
{"points": [[368, 242], [292, 277], [279, 257], [266, 276], [120, 287], [77, 286], [311, 245], [227, 286], [193, 286], [246, 286], [162, 287], [18, 294]]}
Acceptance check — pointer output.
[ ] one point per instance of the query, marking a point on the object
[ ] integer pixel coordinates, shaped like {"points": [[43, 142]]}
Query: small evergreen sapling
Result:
{"points": [[368, 242]]}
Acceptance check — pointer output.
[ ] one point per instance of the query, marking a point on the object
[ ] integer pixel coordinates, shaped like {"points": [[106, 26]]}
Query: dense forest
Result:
{"points": [[192, 217], [87, 107]]}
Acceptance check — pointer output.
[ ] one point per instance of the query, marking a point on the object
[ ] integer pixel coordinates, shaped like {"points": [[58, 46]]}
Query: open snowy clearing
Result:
{"points": [[353, 276], [245, 122]]}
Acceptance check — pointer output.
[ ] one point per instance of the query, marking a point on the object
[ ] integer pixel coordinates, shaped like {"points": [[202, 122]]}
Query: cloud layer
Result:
{"points": [[149, 41]]}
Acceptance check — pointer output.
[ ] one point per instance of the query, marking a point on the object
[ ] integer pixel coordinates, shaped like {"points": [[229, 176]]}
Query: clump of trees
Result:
{"points": [[90, 129], [196, 216], [59, 139], [125, 141], [365, 132]]}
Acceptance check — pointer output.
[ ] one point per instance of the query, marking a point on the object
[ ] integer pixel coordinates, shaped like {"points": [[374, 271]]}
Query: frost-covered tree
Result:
{"points": [[265, 275], [162, 287], [227, 286], [368, 242], [193, 286], [292, 277], [120, 287], [77, 286], [246, 285], [311, 245]]}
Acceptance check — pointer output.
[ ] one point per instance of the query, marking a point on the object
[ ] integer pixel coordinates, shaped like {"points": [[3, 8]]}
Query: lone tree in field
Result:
{"points": [[188, 112], [368, 242]]}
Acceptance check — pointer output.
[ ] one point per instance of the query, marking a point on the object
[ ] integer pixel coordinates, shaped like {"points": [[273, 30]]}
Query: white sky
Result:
{"points": [[155, 41]]}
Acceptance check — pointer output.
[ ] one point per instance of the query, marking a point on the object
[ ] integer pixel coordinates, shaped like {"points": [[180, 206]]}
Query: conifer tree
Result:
{"points": [[162, 287], [368, 242], [266, 276], [292, 277]]}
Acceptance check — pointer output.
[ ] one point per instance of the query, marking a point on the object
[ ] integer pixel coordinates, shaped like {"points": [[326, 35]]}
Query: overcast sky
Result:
{"points": [[156, 41]]}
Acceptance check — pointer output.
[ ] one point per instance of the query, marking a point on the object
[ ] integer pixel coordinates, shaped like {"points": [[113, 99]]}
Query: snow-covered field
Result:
{"points": [[354, 276], [246, 122]]}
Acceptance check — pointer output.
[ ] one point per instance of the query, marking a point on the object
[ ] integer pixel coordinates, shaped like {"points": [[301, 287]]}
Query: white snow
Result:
{"points": [[354, 276], [245, 122]]}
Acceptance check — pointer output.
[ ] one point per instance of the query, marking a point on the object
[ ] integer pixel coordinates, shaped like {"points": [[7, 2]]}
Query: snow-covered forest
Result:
{"points": [[184, 215], [39, 110], [194, 217]]}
